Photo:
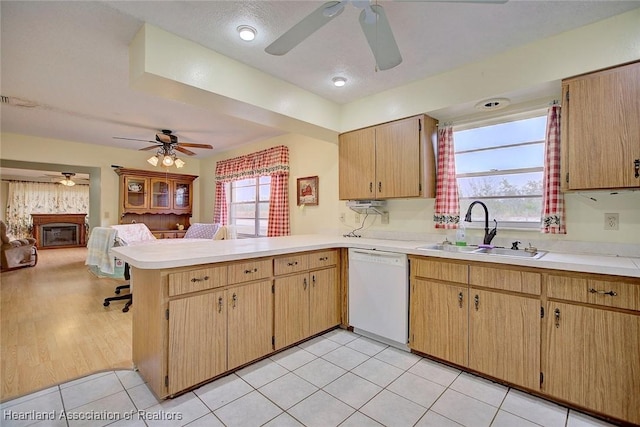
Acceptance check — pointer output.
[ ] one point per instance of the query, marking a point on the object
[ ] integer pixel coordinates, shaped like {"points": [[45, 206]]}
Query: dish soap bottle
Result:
{"points": [[461, 239]]}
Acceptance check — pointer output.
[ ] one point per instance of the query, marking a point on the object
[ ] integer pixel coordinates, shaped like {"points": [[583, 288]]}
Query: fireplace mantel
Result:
{"points": [[40, 220]]}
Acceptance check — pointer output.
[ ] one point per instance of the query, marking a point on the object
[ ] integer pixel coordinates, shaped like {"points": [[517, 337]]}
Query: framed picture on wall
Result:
{"points": [[308, 191]]}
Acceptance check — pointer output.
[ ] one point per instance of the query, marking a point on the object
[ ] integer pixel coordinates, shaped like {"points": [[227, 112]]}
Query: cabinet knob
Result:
{"points": [[254, 270], [556, 314], [220, 305], [476, 301], [379, 185], [304, 284], [324, 258], [313, 280], [291, 264], [636, 168], [371, 187], [460, 299], [234, 300], [197, 279]]}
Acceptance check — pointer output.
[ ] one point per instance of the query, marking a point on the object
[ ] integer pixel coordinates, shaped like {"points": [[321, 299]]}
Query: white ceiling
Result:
{"points": [[71, 58]]}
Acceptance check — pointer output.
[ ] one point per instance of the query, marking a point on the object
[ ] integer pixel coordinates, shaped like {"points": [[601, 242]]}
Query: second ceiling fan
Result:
{"points": [[373, 21]]}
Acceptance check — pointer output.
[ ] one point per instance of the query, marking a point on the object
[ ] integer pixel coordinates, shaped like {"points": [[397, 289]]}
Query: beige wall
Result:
{"points": [[307, 157]]}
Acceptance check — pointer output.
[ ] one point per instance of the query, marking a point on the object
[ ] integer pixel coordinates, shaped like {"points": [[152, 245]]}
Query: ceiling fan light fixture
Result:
{"points": [[339, 81], [67, 181], [153, 160], [179, 163], [167, 160], [247, 33]]}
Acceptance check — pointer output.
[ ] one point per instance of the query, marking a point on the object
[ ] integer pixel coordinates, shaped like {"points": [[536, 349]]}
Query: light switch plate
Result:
{"points": [[611, 221]]}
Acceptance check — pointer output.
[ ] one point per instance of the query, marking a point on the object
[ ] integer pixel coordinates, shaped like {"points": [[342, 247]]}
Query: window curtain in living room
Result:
{"points": [[446, 212], [272, 162], [553, 221], [26, 198]]}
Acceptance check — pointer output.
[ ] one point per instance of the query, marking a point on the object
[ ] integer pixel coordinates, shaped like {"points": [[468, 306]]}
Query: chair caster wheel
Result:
{"points": [[106, 303]]}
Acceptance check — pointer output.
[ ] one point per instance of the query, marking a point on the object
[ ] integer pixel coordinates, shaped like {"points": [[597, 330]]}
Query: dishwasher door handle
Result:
{"points": [[378, 254]]}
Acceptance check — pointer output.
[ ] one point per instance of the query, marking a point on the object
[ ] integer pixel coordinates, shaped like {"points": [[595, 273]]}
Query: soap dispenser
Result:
{"points": [[461, 238]]}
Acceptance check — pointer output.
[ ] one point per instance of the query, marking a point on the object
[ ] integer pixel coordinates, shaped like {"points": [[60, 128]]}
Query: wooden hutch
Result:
{"points": [[161, 200]]}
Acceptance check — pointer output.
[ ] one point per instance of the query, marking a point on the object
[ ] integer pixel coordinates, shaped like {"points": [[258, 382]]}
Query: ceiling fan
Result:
{"points": [[373, 21], [166, 142]]}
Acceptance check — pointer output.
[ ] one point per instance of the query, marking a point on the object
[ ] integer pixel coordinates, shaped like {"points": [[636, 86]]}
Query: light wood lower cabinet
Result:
{"points": [[307, 296], [439, 320], [249, 323], [197, 340], [504, 337], [217, 331]]}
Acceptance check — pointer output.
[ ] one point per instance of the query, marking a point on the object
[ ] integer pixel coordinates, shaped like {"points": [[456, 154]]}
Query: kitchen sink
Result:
{"points": [[449, 248], [486, 251]]}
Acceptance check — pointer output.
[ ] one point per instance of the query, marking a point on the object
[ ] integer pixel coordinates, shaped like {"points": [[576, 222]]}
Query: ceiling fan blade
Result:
{"points": [[457, 1], [184, 150], [303, 29], [148, 148], [190, 144], [133, 139], [380, 38]]}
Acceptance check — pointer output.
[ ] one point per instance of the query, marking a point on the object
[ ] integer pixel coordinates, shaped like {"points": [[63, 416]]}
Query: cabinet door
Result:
{"points": [[324, 306], [592, 359], [197, 340], [601, 129], [291, 305], [160, 193], [182, 196], [356, 164], [250, 323], [135, 192], [504, 337], [398, 159], [438, 316]]}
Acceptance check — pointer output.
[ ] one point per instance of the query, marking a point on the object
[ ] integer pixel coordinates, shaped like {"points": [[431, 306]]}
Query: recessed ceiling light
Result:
{"points": [[492, 104], [339, 81], [247, 33]]}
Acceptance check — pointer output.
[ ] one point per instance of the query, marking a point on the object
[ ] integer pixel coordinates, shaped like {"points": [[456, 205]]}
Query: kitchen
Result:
{"points": [[407, 217]]}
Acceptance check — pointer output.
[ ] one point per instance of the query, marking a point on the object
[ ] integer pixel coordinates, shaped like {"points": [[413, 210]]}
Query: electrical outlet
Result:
{"points": [[611, 221], [384, 218], [342, 217], [356, 218]]}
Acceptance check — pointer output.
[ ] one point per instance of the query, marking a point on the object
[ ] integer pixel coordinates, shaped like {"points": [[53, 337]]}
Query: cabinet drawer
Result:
{"points": [[247, 271], [609, 293], [197, 280], [291, 264], [439, 270], [507, 280], [322, 259]]}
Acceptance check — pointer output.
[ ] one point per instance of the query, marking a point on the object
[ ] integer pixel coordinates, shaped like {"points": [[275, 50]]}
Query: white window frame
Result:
{"points": [[256, 204], [529, 225]]}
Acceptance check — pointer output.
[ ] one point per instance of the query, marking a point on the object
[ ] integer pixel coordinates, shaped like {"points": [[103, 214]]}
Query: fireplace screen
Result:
{"points": [[60, 235]]}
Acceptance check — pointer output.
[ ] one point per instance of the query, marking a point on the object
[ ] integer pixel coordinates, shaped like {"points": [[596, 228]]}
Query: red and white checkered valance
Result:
{"points": [[269, 162]]}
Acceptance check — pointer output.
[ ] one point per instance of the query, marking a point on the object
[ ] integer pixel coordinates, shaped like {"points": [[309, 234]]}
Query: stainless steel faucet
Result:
{"points": [[488, 235]]}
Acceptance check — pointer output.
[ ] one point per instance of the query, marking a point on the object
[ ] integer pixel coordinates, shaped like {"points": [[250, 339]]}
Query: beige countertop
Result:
{"points": [[169, 253]]}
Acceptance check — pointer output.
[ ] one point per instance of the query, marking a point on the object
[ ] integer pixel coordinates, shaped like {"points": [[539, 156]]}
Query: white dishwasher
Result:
{"points": [[379, 296]]}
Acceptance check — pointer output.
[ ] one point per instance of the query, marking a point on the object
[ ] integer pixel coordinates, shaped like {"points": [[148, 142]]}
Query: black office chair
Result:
{"points": [[128, 297]]}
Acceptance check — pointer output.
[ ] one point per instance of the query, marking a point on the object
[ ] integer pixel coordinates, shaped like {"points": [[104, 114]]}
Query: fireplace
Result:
{"points": [[60, 235], [59, 230]]}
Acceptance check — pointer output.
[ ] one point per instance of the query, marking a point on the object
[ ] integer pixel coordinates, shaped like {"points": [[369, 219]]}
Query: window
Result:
{"points": [[502, 166], [249, 206]]}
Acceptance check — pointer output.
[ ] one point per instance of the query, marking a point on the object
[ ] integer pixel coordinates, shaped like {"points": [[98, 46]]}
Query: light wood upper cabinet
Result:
{"points": [[390, 160], [600, 129]]}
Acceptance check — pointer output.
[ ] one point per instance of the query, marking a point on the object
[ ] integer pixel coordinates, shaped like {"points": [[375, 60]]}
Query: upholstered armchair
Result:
{"points": [[17, 253]]}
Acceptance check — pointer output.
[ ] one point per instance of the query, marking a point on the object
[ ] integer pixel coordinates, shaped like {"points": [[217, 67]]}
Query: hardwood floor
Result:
{"points": [[54, 327]]}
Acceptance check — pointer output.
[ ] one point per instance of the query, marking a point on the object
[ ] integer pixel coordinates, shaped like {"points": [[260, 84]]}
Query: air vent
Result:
{"points": [[17, 102], [492, 104]]}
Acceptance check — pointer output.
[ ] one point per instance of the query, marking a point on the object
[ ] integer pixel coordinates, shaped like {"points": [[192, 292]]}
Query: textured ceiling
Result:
{"points": [[71, 58]]}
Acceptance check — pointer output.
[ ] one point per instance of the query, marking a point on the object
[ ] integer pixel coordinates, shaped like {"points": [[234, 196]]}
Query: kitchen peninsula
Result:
{"points": [[203, 308]]}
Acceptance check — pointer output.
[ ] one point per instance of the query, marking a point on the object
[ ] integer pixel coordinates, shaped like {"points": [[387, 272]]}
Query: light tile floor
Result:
{"points": [[339, 378]]}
